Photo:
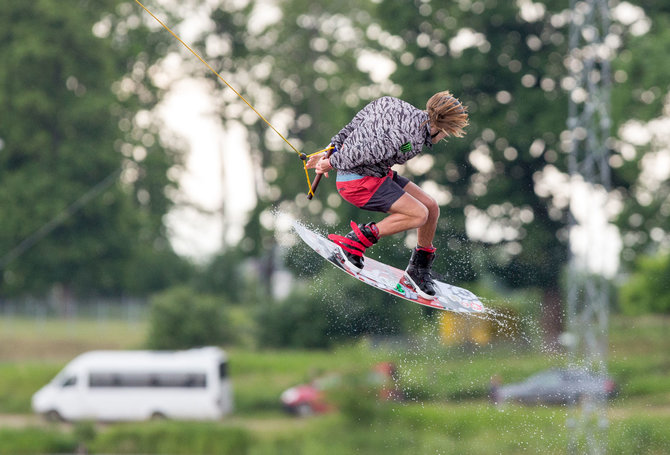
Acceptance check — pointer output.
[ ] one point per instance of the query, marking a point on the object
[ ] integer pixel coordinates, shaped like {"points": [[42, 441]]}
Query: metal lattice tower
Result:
{"points": [[589, 126]]}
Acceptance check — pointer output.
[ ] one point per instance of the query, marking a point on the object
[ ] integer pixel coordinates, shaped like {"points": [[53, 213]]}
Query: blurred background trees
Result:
{"points": [[79, 88], [503, 189], [77, 92]]}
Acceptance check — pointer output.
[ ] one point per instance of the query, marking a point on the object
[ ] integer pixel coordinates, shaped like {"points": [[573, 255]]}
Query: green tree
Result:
{"points": [[493, 166], [340, 310], [223, 275], [505, 60], [180, 318], [648, 289], [300, 70], [76, 92], [640, 109]]}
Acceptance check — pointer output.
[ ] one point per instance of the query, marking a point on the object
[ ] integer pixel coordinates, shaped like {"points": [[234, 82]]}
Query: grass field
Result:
{"points": [[447, 411], [61, 339]]}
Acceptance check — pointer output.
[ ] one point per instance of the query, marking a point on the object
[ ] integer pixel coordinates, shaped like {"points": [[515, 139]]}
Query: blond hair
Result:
{"points": [[446, 113]]}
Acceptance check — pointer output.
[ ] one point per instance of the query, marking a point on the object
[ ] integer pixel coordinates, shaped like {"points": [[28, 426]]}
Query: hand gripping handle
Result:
{"points": [[317, 179]]}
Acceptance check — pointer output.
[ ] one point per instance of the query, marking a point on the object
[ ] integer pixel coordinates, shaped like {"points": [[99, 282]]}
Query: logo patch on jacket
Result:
{"points": [[406, 147]]}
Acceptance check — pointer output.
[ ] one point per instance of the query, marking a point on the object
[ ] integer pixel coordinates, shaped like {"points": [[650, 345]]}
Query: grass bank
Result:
{"points": [[446, 411]]}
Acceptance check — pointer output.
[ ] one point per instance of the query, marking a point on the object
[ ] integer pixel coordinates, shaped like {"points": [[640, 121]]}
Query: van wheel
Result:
{"points": [[158, 416], [53, 416]]}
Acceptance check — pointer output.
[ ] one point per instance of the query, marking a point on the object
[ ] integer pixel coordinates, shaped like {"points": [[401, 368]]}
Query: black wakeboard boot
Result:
{"points": [[353, 245], [418, 272]]}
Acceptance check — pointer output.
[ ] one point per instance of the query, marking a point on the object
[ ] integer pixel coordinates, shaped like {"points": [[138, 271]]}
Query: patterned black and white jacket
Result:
{"points": [[387, 131]]}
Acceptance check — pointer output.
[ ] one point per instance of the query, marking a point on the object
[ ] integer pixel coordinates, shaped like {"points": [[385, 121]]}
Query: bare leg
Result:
{"points": [[426, 232], [405, 213]]}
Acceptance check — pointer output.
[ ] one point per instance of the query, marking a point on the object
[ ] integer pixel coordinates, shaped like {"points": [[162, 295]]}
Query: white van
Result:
{"points": [[139, 385]]}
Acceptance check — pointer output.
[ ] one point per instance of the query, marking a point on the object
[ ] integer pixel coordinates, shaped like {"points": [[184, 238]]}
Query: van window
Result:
{"points": [[157, 379], [69, 382], [223, 370]]}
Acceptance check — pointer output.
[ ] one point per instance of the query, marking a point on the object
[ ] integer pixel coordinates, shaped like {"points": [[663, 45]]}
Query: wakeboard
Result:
{"points": [[392, 280]]}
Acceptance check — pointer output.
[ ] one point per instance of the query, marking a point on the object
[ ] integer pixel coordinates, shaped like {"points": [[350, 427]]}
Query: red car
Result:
{"points": [[308, 399]]}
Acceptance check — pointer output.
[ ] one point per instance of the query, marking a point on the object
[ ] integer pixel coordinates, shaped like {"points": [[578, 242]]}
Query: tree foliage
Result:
{"points": [[301, 72], [340, 310], [640, 153], [648, 290], [181, 319], [501, 188], [76, 91]]}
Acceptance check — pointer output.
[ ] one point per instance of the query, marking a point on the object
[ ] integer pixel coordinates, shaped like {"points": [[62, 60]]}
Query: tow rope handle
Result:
{"points": [[317, 179]]}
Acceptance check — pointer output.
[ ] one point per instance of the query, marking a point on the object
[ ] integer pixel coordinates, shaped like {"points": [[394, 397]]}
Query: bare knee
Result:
{"points": [[433, 208], [420, 216]]}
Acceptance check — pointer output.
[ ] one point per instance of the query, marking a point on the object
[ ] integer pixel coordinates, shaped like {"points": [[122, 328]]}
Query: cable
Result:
{"points": [[302, 155]]}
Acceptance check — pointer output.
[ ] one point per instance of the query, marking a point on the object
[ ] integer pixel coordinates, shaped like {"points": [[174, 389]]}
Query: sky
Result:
{"points": [[218, 167], [217, 173]]}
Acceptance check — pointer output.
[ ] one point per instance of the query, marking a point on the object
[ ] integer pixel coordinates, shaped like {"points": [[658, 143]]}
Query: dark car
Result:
{"points": [[555, 386]]}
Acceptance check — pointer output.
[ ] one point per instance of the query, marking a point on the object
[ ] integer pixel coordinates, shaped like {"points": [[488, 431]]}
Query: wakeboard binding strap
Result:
{"points": [[358, 240]]}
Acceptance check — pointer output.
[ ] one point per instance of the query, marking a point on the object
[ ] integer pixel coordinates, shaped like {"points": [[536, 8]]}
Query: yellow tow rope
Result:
{"points": [[302, 156]]}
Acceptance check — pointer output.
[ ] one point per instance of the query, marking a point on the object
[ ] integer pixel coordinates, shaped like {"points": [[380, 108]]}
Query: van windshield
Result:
{"points": [[69, 381], [60, 379]]}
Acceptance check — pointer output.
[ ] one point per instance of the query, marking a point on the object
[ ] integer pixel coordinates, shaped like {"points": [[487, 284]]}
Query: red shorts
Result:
{"points": [[371, 193]]}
